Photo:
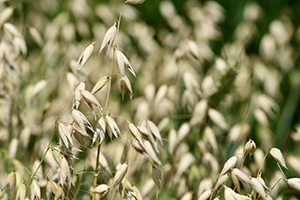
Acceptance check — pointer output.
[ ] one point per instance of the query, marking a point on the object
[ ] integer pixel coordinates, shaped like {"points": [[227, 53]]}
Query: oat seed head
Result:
{"points": [[109, 38], [205, 195], [122, 61], [230, 163], [125, 85], [156, 176], [277, 155], [135, 1], [85, 55]]}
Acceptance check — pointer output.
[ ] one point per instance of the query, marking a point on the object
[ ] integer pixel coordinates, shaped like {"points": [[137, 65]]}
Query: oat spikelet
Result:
{"points": [[155, 132], [112, 126], [135, 1], [120, 174], [277, 155], [109, 38], [205, 195], [11, 181], [77, 94], [84, 56], [64, 134], [242, 177], [156, 176], [125, 85], [249, 148], [35, 190], [294, 183], [6, 14], [100, 130], [217, 118], [256, 185], [151, 152], [135, 133], [230, 163], [222, 180], [36, 36], [21, 192], [230, 194], [102, 189], [90, 98], [100, 84], [122, 61]]}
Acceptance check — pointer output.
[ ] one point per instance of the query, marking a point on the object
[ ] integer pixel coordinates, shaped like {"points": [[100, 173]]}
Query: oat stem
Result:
{"points": [[278, 182], [281, 170], [261, 165], [107, 100], [96, 168]]}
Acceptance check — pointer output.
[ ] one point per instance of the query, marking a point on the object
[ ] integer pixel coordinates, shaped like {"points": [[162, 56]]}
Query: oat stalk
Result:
{"points": [[261, 165], [106, 103]]}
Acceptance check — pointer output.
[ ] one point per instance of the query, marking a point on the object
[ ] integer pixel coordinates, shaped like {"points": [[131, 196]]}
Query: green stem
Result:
{"points": [[96, 168]]}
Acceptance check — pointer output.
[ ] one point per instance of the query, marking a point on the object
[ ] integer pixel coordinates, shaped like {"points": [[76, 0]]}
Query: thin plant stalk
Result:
{"points": [[281, 170], [261, 165], [106, 103], [96, 168]]}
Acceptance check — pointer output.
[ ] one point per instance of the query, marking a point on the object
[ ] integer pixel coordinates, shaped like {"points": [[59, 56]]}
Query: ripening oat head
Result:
{"points": [[210, 138], [77, 117], [278, 156], [217, 118], [109, 38], [199, 113], [125, 85], [172, 140], [185, 162], [155, 132], [222, 180], [230, 194], [156, 176], [100, 84], [84, 56], [100, 189], [242, 177], [235, 182], [65, 134], [192, 49], [149, 148], [100, 130], [58, 193], [135, 1], [122, 61], [112, 125], [294, 183], [21, 194], [77, 93], [90, 98], [262, 182], [11, 31], [10, 180], [35, 190], [205, 195], [230, 163], [249, 148], [6, 14], [257, 186], [120, 174], [183, 132], [36, 36], [135, 133]]}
